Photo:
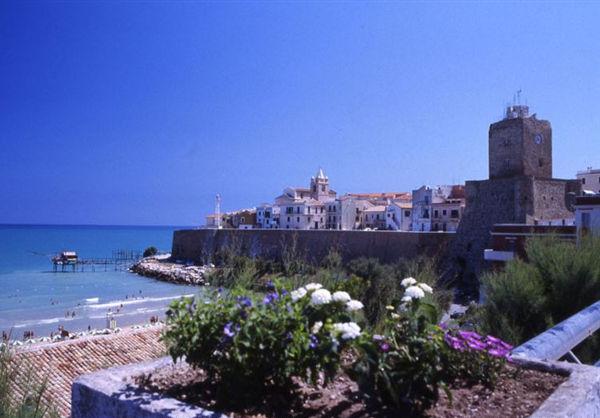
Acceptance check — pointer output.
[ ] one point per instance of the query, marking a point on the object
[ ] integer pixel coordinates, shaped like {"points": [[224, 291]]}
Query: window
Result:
{"points": [[454, 213], [288, 219], [298, 219], [406, 213], [583, 180], [426, 213], [334, 206], [334, 219], [377, 216], [322, 209], [323, 188], [435, 213], [297, 209], [444, 212]]}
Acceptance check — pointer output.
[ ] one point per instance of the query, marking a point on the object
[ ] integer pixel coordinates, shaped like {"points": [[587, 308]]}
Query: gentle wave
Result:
{"points": [[41, 322], [126, 302]]}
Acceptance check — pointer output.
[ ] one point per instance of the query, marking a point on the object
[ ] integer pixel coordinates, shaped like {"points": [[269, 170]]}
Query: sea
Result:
{"points": [[35, 298]]}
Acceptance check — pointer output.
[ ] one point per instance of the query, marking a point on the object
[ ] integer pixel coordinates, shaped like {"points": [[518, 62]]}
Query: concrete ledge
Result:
{"points": [[112, 393], [578, 397]]}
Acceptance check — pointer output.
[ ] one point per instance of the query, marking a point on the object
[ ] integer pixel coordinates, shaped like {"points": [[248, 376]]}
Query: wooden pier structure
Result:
{"points": [[69, 261]]}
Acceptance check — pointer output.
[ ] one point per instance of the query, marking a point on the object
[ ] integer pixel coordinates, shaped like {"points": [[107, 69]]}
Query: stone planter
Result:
{"points": [[112, 392]]}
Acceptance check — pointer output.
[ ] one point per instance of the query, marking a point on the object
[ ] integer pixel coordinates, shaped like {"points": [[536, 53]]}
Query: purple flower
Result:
{"points": [[220, 289], [476, 345], [228, 331], [498, 343], [454, 342], [314, 342], [384, 347], [244, 301], [270, 298], [284, 292], [498, 352], [469, 335], [443, 325]]}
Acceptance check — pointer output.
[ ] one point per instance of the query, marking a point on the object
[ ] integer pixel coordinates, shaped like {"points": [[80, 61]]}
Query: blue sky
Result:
{"points": [[139, 113]]}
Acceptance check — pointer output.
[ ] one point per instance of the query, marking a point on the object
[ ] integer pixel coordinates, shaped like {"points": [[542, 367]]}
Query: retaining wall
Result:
{"points": [[201, 245]]}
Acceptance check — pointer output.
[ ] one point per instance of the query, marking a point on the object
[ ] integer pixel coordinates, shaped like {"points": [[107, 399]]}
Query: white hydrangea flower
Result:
{"points": [[313, 286], [390, 308], [340, 296], [316, 327], [298, 293], [349, 330], [354, 305], [414, 292], [320, 297], [426, 288], [409, 281], [406, 299]]}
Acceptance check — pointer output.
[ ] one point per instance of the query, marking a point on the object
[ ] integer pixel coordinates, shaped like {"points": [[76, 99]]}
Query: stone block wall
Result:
{"points": [[201, 245]]}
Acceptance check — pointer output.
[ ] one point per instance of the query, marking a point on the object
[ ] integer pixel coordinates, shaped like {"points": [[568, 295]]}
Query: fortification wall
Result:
{"points": [[201, 245], [512, 200]]}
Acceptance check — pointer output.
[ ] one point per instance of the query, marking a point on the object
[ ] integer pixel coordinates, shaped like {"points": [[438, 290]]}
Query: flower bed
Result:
{"points": [[277, 351], [518, 394]]}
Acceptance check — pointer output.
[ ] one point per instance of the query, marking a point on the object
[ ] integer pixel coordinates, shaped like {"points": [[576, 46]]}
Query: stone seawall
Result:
{"points": [[201, 245]]}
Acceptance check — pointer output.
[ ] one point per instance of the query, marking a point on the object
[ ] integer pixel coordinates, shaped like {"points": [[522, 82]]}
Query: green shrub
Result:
{"points": [[252, 346], [557, 280], [150, 251]]}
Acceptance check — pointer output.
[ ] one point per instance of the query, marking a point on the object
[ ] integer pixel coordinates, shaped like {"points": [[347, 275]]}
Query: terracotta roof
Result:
{"points": [[383, 195], [62, 362]]}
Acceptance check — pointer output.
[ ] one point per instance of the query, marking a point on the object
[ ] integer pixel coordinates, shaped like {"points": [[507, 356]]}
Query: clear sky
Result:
{"points": [[139, 113]]}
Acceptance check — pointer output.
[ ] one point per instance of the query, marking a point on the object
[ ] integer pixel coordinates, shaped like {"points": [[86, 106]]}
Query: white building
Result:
{"points": [[399, 216], [587, 215], [301, 208], [267, 216], [437, 208], [590, 179]]}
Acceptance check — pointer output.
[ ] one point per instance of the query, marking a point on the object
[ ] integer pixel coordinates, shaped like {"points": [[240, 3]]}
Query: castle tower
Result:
{"points": [[319, 186], [520, 145]]}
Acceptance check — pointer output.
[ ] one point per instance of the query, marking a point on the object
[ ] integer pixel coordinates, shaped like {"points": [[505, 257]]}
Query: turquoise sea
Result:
{"points": [[34, 298]]}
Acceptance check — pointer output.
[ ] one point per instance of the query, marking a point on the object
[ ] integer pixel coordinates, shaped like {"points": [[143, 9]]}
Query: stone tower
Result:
{"points": [[520, 190], [319, 186], [520, 145]]}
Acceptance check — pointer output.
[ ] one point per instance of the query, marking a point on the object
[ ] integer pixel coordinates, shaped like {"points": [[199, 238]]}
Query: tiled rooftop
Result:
{"points": [[62, 362]]}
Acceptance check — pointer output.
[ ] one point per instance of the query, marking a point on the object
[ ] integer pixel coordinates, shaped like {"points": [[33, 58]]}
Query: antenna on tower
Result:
{"points": [[218, 210], [519, 96]]}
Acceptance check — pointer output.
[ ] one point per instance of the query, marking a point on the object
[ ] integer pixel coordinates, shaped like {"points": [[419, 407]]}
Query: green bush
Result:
{"points": [[557, 280], [253, 346], [406, 366], [150, 251]]}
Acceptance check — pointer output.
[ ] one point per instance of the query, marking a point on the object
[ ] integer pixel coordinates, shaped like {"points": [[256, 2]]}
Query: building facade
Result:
{"points": [[590, 179]]}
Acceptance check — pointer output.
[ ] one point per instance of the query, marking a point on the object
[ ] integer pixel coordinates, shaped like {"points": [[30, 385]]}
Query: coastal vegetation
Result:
{"points": [[556, 280], [150, 251], [21, 394]]}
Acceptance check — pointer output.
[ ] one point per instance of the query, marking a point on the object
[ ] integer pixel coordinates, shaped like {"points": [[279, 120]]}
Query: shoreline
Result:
{"points": [[94, 332]]}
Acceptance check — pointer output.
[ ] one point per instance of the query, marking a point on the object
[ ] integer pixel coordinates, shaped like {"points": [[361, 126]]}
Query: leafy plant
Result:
{"points": [[253, 345], [406, 366], [150, 251]]}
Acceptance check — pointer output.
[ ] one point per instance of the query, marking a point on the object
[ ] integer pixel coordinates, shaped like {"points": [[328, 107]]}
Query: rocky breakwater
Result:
{"points": [[172, 272]]}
